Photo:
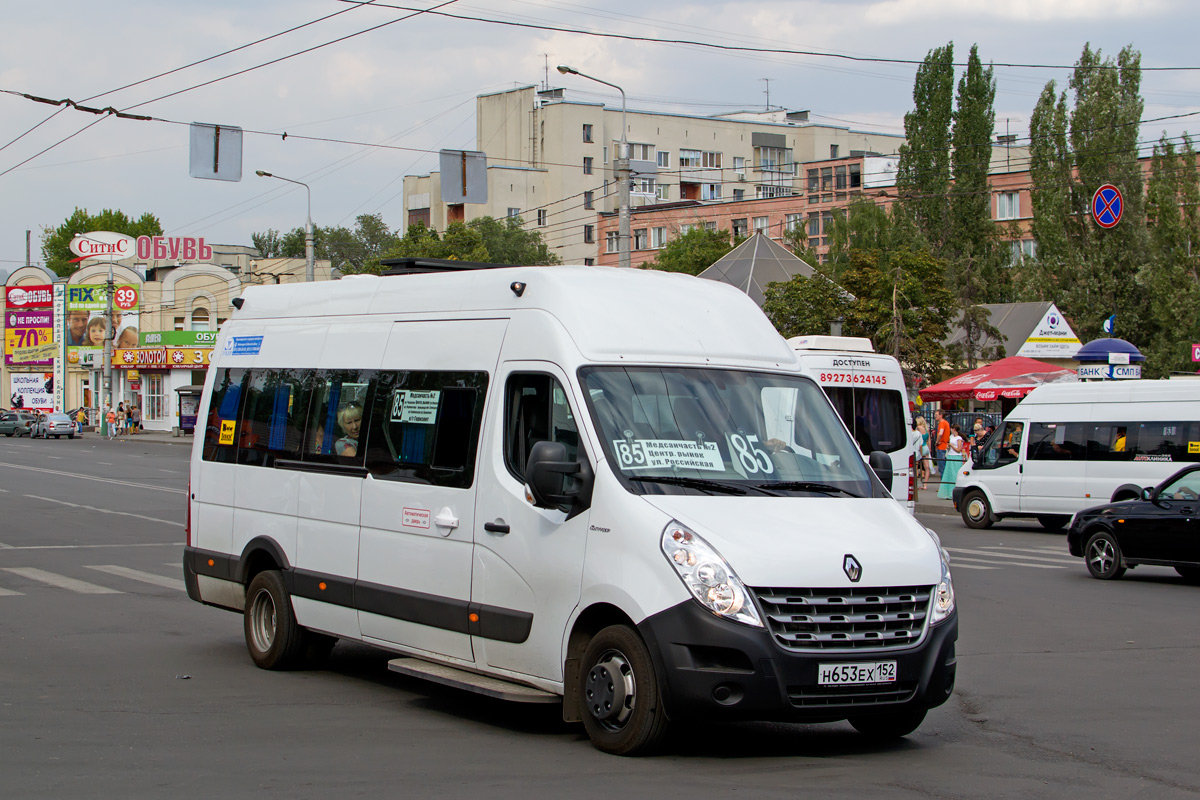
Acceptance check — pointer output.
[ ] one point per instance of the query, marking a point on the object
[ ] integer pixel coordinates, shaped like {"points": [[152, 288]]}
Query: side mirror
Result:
{"points": [[881, 462], [545, 473], [1148, 493]]}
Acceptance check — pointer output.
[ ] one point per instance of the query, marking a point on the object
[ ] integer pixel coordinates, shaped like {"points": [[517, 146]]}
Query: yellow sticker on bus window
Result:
{"points": [[227, 429], [1194, 447]]}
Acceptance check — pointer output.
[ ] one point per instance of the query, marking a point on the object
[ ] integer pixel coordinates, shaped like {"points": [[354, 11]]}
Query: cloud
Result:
{"points": [[891, 12]]}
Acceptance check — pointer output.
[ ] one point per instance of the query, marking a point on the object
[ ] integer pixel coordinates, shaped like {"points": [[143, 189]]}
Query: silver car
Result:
{"points": [[55, 425]]}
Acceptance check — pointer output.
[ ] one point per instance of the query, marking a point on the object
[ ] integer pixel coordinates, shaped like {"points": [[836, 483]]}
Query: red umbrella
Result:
{"points": [[1012, 377]]}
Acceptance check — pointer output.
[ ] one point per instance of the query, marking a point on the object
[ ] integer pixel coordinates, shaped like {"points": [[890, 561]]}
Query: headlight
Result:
{"points": [[707, 575], [943, 594]]}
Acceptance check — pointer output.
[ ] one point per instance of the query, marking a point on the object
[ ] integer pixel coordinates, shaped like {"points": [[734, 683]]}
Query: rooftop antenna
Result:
{"points": [[768, 92], [546, 84]]}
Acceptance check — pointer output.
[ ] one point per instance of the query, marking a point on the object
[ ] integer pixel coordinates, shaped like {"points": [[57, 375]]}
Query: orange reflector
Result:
{"points": [[1120, 520], [321, 586], [1087, 495], [473, 617], [211, 562]]}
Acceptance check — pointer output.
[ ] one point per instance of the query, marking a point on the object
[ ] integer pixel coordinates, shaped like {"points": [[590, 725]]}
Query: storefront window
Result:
{"points": [[154, 397]]}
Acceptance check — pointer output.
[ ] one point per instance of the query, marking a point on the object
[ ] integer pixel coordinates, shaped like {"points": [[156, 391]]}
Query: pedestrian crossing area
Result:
{"points": [[998, 556], [103, 579]]}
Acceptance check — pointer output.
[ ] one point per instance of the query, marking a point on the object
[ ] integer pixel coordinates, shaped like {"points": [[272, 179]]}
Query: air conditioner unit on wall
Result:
{"points": [[741, 176]]}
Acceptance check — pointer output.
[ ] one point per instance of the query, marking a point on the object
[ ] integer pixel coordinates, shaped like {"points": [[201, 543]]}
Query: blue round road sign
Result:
{"points": [[1107, 206]]}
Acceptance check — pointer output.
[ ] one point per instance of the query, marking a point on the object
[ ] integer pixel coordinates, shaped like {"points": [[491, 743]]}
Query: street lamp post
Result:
{"points": [[622, 171], [309, 268]]}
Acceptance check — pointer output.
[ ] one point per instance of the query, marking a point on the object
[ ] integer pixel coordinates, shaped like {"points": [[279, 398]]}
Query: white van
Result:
{"points": [[559, 484], [1067, 447], [867, 389]]}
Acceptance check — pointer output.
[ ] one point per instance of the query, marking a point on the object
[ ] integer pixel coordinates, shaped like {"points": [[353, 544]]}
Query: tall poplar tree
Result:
{"points": [[923, 177]]}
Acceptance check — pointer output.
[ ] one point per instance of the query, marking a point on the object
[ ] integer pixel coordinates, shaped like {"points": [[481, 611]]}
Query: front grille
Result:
{"points": [[834, 620], [816, 696]]}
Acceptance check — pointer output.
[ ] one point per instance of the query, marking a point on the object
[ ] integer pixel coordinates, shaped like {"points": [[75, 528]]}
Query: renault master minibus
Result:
{"points": [[610, 489]]}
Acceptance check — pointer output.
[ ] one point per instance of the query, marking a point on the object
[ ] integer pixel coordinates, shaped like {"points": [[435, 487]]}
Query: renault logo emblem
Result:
{"points": [[852, 568]]}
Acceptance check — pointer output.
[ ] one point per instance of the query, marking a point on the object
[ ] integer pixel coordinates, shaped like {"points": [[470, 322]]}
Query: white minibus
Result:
{"points": [[561, 484], [1067, 447], [867, 389]]}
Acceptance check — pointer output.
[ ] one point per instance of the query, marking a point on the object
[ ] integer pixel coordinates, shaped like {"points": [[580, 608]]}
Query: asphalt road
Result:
{"points": [[119, 686]]}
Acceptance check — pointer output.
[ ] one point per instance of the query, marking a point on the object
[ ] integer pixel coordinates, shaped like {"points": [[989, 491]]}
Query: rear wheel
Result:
{"points": [[624, 713], [1053, 522], [1103, 556], [273, 638], [976, 511], [893, 725]]}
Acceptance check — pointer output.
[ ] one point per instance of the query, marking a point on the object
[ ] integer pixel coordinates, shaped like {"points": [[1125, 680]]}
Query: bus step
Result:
{"points": [[480, 684]]}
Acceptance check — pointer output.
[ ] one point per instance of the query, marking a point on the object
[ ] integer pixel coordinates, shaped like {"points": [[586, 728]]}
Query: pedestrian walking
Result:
{"points": [[924, 463], [120, 418], [111, 418], [955, 455], [135, 419], [80, 419], [941, 439]]}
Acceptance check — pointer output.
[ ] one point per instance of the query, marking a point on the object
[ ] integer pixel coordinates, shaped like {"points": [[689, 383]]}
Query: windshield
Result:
{"points": [[707, 431]]}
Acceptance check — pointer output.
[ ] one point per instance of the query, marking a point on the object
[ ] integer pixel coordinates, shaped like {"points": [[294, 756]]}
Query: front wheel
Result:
{"points": [[892, 725], [273, 637], [624, 713], [976, 511], [1053, 522], [1103, 556]]}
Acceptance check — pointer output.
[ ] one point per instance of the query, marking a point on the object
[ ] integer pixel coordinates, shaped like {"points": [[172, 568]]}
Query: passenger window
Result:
{"points": [[1166, 441], [536, 410], [1005, 448], [220, 440], [1186, 487], [1055, 441], [424, 427], [271, 424], [338, 411]]}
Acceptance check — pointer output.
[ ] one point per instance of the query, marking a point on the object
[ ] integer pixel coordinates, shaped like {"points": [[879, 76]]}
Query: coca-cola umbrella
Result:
{"points": [[1012, 378]]}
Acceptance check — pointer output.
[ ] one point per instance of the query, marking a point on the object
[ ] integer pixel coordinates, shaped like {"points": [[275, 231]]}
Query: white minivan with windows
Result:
{"points": [[867, 389], [1067, 447], [610, 489]]}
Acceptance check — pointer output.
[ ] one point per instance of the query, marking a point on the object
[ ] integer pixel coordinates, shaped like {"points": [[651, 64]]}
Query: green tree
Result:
{"points": [[693, 252], [806, 306], [56, 242], [923, 176], [507, 242]]}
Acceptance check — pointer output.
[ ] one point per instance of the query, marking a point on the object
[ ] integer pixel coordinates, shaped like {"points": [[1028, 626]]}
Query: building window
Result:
{"points": [[826, 179], [179, 323], [606, 154], [588, 198], [710, 191], [644, 186], [689, 158], [587, 165], [660, 192], [664, 159], [772, 191], [814, 184], [1008, 205], [658, 237], [1022, 249], [739, 166], [589, 262], [589, 234], [775, 159], [513, 212], [710, 160], [200, 320], [739, 194], [856, 176], [833, 151], [814, 225], [839, 177], [710, 226], [587, 133], [611, 241], [792, 222], [641, 152], [687, 228], [155, 400], [827, 225], [640, 241], [761, 224], [739, 228], [542, 217]]}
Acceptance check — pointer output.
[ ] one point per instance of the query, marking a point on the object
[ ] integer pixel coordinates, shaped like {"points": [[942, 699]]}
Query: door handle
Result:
{"points": [[446, 519], [1187, 510], [496, 527]]}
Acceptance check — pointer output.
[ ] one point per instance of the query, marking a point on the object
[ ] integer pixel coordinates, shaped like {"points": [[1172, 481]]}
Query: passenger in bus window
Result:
{"points": [[1119, 442], [350, 420]]}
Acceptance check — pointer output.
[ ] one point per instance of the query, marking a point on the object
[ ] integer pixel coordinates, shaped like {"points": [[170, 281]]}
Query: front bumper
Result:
{"points": [[712, 668], [956, 496]]}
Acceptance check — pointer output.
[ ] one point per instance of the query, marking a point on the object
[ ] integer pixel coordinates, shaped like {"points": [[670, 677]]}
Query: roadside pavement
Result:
{"points": [[146, 437]]}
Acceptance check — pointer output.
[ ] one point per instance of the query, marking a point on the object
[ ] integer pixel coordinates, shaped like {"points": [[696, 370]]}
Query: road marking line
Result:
{"points": [[105, 510], [957, 566], [106, 463], [1039, 551], [138, 575], [95, 478], [7, 592], [996, 554], [958, 561], [60, 581]]}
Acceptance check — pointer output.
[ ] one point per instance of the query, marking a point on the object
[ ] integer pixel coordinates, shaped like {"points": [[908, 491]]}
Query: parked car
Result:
{"points": [[55, 424], [16, 422], [1162, 528]]}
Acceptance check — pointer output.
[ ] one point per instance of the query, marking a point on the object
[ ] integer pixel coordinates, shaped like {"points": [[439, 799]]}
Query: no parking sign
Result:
{"points": [[1107, 206]]}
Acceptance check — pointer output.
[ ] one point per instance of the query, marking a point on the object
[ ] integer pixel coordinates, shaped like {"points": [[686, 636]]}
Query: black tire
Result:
{"points": [[623, 706], [8, 434], [70, 436], [1189, 574], [317, 647], [892, 725], [1103, 557], [976, 510], [273, 638], [1053, 522]]}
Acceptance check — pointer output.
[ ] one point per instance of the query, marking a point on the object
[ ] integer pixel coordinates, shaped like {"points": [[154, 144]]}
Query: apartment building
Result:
{"points": [[551, 161]]}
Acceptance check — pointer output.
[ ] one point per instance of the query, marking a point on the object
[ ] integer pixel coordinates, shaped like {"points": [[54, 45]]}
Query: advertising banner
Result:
{"points": [[179, 338], [1052, 338], [162, 358], [29, 326], [87, 305], [36, 390]]}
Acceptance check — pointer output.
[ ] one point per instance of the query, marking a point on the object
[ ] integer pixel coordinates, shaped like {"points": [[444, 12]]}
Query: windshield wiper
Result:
{"points": [[808, 486], [692, 483]]}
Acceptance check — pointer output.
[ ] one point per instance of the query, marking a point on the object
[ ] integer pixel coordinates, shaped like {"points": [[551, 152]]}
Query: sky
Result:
{"points": [[395, 95]]}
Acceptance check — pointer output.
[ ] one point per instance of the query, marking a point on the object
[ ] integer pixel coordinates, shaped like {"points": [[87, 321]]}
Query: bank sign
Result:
{"points": [[1051, 338], [1109, 371]]}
